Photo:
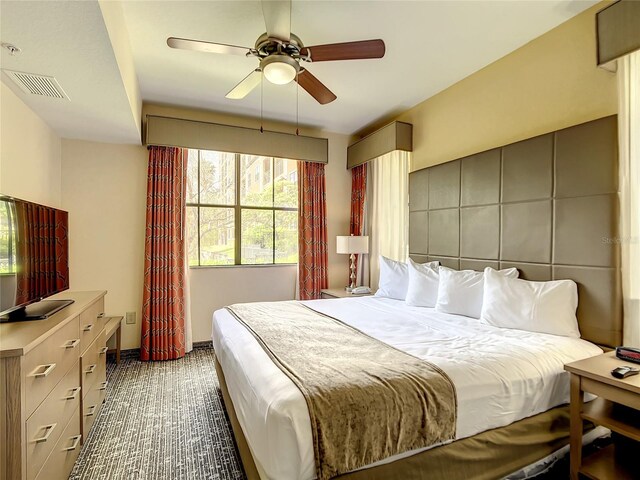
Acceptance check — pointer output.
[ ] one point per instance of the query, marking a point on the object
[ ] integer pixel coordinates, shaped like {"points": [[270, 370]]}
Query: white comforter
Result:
{"points": [[501, 375]]}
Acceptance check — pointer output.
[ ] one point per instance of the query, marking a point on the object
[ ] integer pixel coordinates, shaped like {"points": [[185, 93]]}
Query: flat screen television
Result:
{"points": [[34, 259]]}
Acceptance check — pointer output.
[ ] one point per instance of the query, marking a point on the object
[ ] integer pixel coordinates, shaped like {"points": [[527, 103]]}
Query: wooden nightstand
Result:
{"points": [[617, 408], [340, 293]]}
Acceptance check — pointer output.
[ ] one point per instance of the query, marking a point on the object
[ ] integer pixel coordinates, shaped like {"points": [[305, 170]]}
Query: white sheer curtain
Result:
{"points": [[629, 142], [188, 331], [388, 210]]}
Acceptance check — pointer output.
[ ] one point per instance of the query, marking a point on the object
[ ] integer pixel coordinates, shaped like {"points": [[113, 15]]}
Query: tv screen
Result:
{"points": [[34, 252]]}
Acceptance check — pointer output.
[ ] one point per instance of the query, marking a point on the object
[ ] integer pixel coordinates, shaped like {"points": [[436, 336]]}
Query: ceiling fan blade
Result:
{"points": [[211, 47], [246, 85], [277, 18], [315, 87], [345, 51]]}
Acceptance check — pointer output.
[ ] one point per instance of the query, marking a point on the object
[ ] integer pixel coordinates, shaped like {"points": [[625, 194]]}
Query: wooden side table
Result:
{"points": [[340, 293], [113, 325], [617, 408]]}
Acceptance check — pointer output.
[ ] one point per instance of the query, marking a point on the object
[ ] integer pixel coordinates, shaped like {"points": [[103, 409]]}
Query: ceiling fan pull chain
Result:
{"points": [[261, 95], [297, 109]]}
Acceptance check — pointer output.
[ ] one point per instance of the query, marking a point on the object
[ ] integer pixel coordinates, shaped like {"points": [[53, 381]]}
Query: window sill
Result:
{"points": [[202, 267]]}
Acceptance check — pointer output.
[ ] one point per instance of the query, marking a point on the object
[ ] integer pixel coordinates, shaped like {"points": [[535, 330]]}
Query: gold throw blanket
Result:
{"points": [[367, 400]]}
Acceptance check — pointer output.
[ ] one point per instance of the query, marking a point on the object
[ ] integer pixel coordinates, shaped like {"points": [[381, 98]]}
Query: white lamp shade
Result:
{"points": [[352, 244]]}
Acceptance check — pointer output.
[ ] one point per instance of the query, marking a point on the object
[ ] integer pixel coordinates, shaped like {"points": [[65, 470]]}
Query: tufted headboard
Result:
{"points": [[547, 205]]}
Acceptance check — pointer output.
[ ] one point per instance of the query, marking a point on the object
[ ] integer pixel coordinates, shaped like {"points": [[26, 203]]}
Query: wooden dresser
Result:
{"points": [[52, 385]]}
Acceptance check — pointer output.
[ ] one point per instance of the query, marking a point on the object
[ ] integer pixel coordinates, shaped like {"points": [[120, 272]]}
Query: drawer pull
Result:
{"points": [[100, 315], [72, 343], [103, 350], [44, 370], [48, 430], [103, 386], [73, 394], [88, 328], [74, 445], [91, 369], [91, 411]]}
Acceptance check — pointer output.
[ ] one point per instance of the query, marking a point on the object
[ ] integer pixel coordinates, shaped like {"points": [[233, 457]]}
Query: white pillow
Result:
{"points": [[546, 307], [394, 279], [460, 292], [423, 284]]}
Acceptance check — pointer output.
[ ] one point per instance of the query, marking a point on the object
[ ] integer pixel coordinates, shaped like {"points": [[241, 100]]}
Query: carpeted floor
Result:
{"points": [[161, 420]]}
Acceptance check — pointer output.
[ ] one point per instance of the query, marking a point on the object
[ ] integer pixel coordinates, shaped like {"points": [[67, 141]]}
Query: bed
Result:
{"points": [[547, 206], [501, 375]]}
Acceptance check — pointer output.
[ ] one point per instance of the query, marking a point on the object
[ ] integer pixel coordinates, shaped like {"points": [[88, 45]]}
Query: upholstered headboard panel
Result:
{"points": [[547, 205]]}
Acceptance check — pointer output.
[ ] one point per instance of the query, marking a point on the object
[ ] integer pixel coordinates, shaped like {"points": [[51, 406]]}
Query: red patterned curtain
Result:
{"points": [[163, 306], [312, 230], [358, 196], [41, 247]]}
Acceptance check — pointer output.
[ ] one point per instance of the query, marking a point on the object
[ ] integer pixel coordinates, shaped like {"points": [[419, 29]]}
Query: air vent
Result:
{"points": [[37, 84]]}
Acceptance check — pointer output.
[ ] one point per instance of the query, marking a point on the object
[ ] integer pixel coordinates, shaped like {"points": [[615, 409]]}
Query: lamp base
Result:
{"points": [[352, 277]]}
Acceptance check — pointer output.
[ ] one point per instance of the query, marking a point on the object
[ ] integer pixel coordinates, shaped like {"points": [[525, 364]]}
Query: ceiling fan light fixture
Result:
{"points": [[279, 69]]}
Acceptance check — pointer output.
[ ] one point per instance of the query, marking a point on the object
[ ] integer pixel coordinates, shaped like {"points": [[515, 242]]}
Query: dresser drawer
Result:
{"points": [[91, 323], [91, 406], [64, 454], [101, 345], [92, 364], [45, 425], [46, 364]]}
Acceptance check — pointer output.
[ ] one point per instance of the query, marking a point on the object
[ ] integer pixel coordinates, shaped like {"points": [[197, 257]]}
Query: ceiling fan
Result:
{"points": [[281, 53]]}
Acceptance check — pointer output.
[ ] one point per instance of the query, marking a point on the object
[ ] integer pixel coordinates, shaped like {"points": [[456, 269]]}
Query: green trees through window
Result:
{"points": [[241, 209]]}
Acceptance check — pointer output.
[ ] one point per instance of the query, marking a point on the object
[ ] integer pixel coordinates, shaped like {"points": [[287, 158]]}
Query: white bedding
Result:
{"points": [[501, 375]]}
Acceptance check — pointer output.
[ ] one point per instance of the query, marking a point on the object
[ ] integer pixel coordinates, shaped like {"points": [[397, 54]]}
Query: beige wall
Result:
{"points": [[104, 189], [29, 153], [338, 180], [214, 288], [548, 84]]}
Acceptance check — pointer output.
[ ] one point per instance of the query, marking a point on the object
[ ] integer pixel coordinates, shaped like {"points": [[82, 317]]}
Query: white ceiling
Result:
{"points": [[430, 46], [68, 40]]}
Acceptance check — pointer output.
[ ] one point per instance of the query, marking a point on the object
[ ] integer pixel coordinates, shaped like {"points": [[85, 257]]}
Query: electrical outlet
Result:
{"points": [[131, 318]]}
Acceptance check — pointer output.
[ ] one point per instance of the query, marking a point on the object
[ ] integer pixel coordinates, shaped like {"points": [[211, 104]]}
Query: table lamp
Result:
{"points": [[351, 245]]}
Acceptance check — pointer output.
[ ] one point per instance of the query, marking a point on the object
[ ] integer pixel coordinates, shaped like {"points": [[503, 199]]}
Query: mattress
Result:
{"points": [[501, 375]]}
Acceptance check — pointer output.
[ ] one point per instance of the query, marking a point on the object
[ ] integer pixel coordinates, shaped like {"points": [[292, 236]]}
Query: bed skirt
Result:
{"points": [[488, 455]]}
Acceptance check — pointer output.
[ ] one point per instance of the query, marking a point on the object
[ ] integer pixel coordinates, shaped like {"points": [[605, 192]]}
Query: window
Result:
{"points": [[266, 167], [279, 168], [239, 212]]}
